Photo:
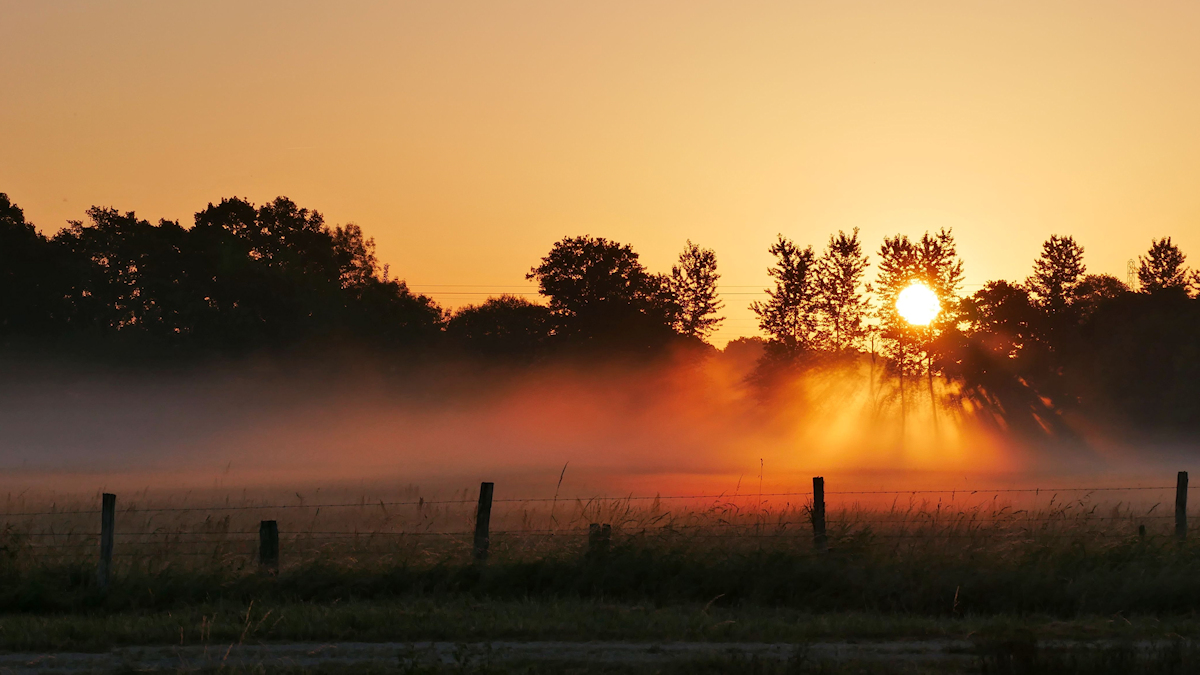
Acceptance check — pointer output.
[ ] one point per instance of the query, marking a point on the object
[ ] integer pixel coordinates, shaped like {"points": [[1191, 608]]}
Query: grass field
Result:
{"points": [[732, 570]]}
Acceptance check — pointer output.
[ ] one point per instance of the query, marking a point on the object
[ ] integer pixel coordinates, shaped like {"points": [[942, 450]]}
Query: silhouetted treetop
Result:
{"points": [[244, 277], [31, 280], [1095, 290], [932, 260], [694, 284], [789, 315], [12, 221], [1057, 273], [509, 326], [1004, 315], [598, 290], [841, 296], [280, 234], [1162, 268]]}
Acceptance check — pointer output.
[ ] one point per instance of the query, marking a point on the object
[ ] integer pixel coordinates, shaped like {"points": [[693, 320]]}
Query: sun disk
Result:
{"points": [[918, 304]]}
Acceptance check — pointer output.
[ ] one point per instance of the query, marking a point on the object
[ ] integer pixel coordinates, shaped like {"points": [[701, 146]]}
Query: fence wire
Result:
{"points": [[845, 525], [604, 498]]}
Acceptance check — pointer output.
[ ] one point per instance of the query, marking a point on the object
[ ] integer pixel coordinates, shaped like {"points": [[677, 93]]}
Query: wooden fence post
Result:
{"points": [[108, 518], [818, 513], [483, 520], [268, 546], [1181, 488]]}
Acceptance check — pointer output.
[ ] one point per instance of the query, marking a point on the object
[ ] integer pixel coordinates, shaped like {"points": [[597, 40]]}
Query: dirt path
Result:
{"points": [[392, 653], [190, 658]]}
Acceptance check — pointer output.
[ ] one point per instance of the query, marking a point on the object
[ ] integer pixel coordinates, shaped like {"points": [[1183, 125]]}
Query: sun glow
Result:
{"points": [[918, 304]]}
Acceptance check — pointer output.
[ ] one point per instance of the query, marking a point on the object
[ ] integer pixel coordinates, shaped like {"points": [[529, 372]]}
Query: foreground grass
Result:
{"points": [[1008, 583], [469, 620], [1114, 661], [1064, 575], [1006, 653]]}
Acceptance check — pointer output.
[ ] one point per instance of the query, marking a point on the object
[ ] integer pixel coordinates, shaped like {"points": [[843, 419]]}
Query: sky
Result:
{"points": [[467, 138]]}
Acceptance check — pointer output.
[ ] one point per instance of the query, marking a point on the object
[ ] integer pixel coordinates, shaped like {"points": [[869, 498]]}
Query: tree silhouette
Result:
{"points": [[599, 292], [1056, 274], [508, 326], [1137, 363], [1162, 267], [899, 266], [1005, 317], [1036, 358], [242, 278], [843, 304], [789, 316], [942, 269], [32, 281], [1002, 365], [694, 283], [932, 260], [129, 275], [1095, 290], [275, 274]]}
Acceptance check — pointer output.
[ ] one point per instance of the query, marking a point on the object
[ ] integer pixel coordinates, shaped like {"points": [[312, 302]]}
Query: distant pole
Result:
{"points": [[108, 519], [268, 546], [483, 520], [1181, 488], [818, 513]]}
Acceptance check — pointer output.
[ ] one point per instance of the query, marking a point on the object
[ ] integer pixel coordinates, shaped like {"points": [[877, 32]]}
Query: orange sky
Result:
{"points": [[468, 137]]}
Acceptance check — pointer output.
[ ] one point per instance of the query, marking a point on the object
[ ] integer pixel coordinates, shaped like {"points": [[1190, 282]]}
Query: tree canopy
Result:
{"points": [[242, 278], [599, 292]]}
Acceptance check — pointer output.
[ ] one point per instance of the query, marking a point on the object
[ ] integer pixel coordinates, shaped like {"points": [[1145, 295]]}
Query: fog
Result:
{"points": [[686, 425]]}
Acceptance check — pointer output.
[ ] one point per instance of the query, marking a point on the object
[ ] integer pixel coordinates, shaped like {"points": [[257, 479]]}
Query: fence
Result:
{"points": [[598, 535]]}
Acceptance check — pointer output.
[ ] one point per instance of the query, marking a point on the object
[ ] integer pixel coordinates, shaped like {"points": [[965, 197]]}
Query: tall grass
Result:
{"points": [[940, 556]]}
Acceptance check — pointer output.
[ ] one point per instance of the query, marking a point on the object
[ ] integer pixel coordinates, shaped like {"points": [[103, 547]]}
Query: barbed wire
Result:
{"points": [[996, 491], [920, 524], [929, 530], [602, 498]]}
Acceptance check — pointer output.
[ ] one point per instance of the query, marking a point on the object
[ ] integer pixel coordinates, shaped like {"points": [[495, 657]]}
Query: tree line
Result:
{"points": [[245, 278], [1029, 354]]}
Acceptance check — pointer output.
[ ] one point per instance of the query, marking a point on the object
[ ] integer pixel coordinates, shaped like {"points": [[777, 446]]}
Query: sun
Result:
{"points": [[918, 304]]}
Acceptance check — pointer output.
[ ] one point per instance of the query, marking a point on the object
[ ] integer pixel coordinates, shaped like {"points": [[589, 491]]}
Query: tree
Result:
{"points": [[354, 255], [899, 266], [1162, 267], [1138, 363], [32, 280], [942, 269], [275, 273], [599, 291], [129, 275], [843, 305], [1003, 317], [505, 326], [1057, 274], [1096, 289], [932, 260], [790, 314], [694, 284]]}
